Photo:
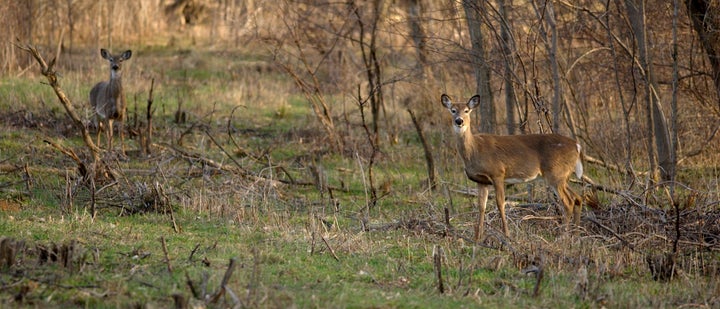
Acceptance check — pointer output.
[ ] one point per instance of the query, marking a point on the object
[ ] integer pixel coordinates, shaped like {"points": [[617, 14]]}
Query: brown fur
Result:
{"points": [[493, 160], [108, 100]]}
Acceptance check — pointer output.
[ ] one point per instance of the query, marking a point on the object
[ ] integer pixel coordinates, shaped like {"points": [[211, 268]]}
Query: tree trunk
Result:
{"points": [[705, 16], [656, 119], [547, 13], [508, 46], [417, 33], [472, 9]]}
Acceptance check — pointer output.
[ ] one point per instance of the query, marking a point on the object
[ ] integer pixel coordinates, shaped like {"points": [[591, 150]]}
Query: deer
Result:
{"points": [[494, 160], [107, 99]]}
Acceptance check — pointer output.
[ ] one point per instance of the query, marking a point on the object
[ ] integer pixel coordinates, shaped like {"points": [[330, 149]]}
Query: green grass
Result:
{"points": [[293, 245]]}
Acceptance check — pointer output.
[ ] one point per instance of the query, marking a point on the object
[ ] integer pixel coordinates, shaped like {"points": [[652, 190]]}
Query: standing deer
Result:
{"points": [[493, 160], [108, 100]]}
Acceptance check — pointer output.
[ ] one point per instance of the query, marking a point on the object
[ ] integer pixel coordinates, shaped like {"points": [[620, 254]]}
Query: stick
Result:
{"points": [[625, 242], [167, 257], [190, 284], [223, 284], [432, 173], [193, 252], [330, 248], [538, 271], [437, 261], [49, 72], [448, 227], [148, 139]]}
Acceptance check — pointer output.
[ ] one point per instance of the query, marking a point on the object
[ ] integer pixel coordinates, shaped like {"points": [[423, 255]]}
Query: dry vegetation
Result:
{"points": [[282, 141]]}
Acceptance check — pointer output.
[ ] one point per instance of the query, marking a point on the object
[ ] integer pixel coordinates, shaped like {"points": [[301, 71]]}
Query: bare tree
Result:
{"points": [[656, 121], [473, 9], [369, 51], [705, 17], [507, 45]]}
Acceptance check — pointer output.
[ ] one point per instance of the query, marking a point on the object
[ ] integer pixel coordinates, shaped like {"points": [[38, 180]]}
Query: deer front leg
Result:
{"points": [[121, 131], [99, 124], [500, 200], [110, 134], [483, 191]]}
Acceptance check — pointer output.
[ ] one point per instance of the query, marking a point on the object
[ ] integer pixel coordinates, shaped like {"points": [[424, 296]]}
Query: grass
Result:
{"points": [[293, 244]]}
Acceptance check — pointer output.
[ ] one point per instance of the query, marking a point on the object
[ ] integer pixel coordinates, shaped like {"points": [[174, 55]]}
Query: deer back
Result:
{"points": [[107, 99], [518, 158]]}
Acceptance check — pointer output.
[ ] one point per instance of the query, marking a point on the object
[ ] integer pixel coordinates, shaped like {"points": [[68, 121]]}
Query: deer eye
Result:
{"points": [[467, 110], [454, 111]]}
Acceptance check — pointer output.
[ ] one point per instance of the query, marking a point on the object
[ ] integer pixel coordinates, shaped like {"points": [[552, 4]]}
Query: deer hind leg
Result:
{"points": [[561, 190], [483, 191], [577, 205], [571, 202], [500, 200]]}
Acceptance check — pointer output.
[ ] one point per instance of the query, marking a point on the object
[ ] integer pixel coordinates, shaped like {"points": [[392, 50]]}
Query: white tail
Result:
{"points": [[493, 160], [108, 100]]}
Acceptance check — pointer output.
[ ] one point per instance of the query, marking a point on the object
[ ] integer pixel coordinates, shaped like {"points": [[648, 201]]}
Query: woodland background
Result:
{"points": [[319, 104]]}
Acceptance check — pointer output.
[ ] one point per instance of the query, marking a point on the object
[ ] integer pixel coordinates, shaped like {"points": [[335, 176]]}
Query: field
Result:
{"points": [[242, 205]]}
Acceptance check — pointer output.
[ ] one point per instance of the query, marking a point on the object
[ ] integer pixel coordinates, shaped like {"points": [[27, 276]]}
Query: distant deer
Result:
{"points": [[108, 100], [493, 160]]}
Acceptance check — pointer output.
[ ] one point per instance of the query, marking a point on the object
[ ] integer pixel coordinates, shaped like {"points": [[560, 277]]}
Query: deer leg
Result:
{"points": [[500, 200], [572, 203], [483, 191], [577, 206], [560, 187], [98, 122], [121, 132], [110, 134]]}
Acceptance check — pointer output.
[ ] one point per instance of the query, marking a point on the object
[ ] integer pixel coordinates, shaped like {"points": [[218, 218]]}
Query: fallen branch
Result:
{"points": [[82, 168], [437, 263], [167, 256], [602, 226], [223, 285], [330, 248], [47, 69], [432, 173], [539, 274]]}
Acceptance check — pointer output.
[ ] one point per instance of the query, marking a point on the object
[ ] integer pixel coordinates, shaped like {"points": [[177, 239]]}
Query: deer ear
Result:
{"points": [[445, 99], [104, 53], [127, 54], [473, 102]]}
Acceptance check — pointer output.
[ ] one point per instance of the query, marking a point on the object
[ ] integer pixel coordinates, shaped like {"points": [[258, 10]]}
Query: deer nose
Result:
{"points": [[115, 67], [458, 121]]}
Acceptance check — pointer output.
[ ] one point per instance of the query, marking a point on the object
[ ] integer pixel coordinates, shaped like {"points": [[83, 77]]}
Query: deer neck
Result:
{"points": [[467, 144], [114, 87]]}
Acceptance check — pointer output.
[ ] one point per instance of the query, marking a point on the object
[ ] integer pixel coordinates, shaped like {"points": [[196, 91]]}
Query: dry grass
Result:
{"points": [[240, 178]]}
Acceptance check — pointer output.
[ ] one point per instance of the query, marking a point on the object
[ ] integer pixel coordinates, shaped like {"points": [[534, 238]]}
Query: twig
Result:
{"points": [[193, 252], [167, 256], [191, 285], [166, 201], [539, 274], [180, 301], [330, 248], [448, 227], [148, 139], [82, 168], [432, 173], [49, 72], [93, 198], [28, 178], [625, 242], [223, 285], [437, 262]]}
